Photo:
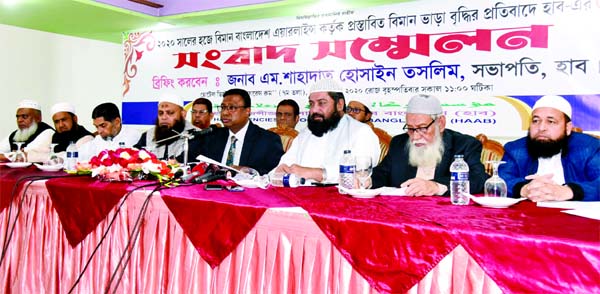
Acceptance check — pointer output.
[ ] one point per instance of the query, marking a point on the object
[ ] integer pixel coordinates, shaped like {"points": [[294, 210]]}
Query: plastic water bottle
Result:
{"points": [[347, 165], [286, 180], [459, 181], [72, 157]]}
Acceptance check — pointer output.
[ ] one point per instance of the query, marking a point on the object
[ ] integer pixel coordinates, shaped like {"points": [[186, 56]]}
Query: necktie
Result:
{"points": [[231, 152]]}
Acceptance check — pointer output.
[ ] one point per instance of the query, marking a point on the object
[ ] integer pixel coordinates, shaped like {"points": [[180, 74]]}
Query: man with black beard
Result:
{"points": [[419, 160], [163, 139], [317, 151], [32, 131], [67, 129], [552, 163]]}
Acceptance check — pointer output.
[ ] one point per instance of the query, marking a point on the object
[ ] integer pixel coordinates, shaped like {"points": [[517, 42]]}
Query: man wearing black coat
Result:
{"points": [[420, 159], [240, 143]]}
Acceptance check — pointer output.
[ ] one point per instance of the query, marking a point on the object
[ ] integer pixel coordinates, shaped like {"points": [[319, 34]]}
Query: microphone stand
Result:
{"points": [[187, 136]]}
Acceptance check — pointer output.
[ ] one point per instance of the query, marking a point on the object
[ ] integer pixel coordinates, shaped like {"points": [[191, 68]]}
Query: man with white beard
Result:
{"points": [[420, 159], [35, 133]]}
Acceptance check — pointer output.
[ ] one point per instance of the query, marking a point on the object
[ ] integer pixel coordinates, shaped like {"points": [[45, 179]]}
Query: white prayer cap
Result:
{"points": [[171, 98], [62, 107], [424, 104], [29, 104], [556, 102], [326, 85]]}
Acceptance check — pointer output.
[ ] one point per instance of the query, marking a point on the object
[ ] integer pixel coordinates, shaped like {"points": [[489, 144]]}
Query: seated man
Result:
{"points": [[288, 115], [162, 139], [317, 151], [420, 159], [35, 134], [202, 114], [112, 134], [240, 143], [67, 129], [362, 113], [552, 162]]}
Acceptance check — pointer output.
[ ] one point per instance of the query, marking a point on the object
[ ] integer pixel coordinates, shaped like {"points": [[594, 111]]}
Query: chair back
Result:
{"points": [[492, 150]]}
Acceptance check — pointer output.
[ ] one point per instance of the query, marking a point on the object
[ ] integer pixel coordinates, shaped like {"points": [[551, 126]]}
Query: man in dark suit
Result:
{"points": [[420, 159], [240, 143]]}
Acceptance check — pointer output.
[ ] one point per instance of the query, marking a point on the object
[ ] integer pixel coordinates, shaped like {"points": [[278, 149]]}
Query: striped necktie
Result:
{"points": [[231, 152]]}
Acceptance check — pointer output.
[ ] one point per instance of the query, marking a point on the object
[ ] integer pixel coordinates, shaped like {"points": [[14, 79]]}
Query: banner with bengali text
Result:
{"points": [[487, 62]]}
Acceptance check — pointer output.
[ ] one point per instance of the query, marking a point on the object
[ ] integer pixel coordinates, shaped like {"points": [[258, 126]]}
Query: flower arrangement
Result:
{"points": [[127, 164]]}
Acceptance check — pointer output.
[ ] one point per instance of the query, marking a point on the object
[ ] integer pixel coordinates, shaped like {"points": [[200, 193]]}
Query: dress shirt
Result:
{"points": [[239, 144], [128, 136]]}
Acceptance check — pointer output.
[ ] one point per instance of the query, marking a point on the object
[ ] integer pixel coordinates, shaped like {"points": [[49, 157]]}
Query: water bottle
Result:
{"points": [[280, 179], [72, 157], [459, 181], [347, 165]]}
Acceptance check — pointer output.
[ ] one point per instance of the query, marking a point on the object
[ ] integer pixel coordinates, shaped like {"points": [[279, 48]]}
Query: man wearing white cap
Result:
{"points": [[163, 139], [67, 129], [112, 134], [552, 162], [363, 114], [420, 159], [317, 151], [35, 133]]}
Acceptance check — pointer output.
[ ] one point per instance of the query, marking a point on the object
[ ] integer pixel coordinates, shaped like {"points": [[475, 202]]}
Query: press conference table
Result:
{"points": [[188, 240]]}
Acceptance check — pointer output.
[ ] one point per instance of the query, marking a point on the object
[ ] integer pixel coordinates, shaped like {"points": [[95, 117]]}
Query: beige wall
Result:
{"points": [[51, 68]]}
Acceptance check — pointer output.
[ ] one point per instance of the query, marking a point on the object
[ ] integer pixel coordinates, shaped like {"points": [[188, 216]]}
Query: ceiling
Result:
{"points": [[94, 20]]}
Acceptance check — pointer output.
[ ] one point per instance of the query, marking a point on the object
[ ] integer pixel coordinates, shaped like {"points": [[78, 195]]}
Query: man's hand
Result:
{"points": [[542, 188], [420, 187], [311, 173], [3, 158]]}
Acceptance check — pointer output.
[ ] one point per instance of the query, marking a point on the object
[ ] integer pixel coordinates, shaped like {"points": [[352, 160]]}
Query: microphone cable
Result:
{"points": [[10, 230], [110, 224], [130, 244]]}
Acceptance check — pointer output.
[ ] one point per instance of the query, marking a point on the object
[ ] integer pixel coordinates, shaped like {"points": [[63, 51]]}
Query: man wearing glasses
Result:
{"points": [[240, 143], [420, 159], [362, 113], [31, 130], [202, 114]]}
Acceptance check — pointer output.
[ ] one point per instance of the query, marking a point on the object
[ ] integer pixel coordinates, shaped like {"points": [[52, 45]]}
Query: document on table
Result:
{"points": [[391, 191], [589, 209]]}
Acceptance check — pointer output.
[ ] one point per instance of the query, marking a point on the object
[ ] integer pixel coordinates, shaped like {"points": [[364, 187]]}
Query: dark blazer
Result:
{"points": [[394, 169], [261, 151]]}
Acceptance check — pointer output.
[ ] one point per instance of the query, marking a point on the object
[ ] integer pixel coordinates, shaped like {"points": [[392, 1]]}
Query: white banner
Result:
{"points": [[487, 62]]}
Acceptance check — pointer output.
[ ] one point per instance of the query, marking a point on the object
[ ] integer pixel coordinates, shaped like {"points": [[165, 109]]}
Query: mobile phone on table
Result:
{"points": [[213, 187], [234, 188]]}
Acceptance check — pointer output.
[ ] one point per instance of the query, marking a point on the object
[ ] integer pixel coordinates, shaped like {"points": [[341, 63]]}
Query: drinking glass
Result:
{"points": [[20, 155], [53, 159], [495, 186], [363, 170]]}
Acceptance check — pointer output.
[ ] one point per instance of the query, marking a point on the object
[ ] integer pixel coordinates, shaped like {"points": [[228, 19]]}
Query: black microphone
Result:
{"points": [[209, 176], [195, 132], [190, 176]]}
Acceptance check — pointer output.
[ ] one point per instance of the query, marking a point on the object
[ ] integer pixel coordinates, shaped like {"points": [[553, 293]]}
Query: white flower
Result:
{"points": [[143, 155], [125, 155], [150, 167]]}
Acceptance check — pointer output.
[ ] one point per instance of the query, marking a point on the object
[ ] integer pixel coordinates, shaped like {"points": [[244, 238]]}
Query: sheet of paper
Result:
{"points": [[208, 160], [585, 212], [392, 191], [570, 204]]}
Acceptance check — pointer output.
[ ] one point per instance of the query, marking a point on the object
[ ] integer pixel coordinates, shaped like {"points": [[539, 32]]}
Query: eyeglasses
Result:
{"points": [[201, 112], [354, 110], [420, 130], [230, 108]]}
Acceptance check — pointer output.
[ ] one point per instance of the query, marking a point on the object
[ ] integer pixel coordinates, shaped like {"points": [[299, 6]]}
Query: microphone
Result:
{"points": [[210, 176], [195, 132]]}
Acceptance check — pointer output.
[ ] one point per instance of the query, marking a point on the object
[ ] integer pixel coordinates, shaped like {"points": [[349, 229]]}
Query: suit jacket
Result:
{"points": [[581, 166], [261, 150], [395, 169]]}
